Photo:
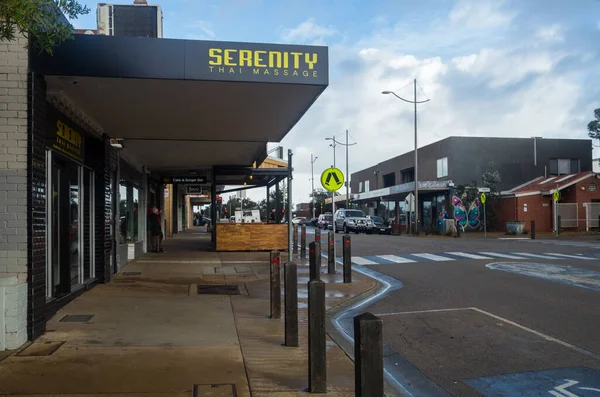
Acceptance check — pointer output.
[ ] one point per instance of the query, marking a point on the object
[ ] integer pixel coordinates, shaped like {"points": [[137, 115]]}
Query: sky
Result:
{"points": [[497, 68]]}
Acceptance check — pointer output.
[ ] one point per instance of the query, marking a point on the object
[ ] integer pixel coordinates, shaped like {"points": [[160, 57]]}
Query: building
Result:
{"points": [[303, 210], [137, 20], [578, 204], [457, 161]]}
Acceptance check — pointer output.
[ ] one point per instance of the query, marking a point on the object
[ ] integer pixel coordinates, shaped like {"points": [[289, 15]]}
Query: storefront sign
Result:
{"points": [[196, 189], [64, 137], [196, 179]]}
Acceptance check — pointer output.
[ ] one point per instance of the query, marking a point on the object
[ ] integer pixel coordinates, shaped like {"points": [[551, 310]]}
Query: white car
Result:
{"points": [[299, 220]]}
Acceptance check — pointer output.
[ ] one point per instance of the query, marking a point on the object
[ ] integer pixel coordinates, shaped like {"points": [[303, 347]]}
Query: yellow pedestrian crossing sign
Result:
{"points": [[332, 179]]}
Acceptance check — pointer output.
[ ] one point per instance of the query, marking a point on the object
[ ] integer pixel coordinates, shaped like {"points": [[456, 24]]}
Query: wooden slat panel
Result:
{"points": [[252, 237]]}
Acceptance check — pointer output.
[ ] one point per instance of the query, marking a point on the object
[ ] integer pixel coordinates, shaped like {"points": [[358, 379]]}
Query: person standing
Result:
{"points": [[155, 229]]}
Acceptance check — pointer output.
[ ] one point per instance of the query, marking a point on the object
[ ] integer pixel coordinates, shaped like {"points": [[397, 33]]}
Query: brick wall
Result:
{"points": [[13, 179]]}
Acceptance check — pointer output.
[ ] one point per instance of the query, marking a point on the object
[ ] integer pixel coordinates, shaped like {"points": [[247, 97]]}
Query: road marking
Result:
{"points": [[362, 261], [432, 257], [586, 258], [498, 255], [535, 255], [524, 328], [396, 259], [466, 255]]}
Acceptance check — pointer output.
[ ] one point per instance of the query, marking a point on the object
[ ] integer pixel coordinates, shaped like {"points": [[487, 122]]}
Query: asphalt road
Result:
{"points": [[466, 323]]}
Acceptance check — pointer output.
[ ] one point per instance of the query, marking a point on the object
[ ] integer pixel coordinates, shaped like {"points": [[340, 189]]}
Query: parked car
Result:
{"points": [[325, 221], [380, 226], [352, 221], [314, 221], [299, 220]]}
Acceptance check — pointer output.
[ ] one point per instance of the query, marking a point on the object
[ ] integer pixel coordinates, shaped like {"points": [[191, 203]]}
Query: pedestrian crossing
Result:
{"points": [[371, 260]]}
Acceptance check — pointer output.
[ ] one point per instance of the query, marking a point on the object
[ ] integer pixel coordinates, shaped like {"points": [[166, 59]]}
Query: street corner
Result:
{"points": [[560, 382]]}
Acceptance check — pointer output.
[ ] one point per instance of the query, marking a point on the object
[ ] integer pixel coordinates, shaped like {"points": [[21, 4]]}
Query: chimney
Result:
{"points": [[140, 2]]}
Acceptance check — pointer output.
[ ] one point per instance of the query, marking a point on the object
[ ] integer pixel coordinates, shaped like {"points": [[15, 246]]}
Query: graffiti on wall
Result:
{"points": [[466, 218]]}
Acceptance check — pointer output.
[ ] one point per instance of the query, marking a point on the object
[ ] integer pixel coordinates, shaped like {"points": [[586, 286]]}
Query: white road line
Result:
{"points": [[585, 258], [424, 311], [432, 257], [395, 259], [466, 255], [535, 255], [362, 261], [498, 255]]}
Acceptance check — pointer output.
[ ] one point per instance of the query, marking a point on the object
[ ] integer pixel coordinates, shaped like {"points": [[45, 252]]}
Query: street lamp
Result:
{"points": [[312, 178], [415, 102]]}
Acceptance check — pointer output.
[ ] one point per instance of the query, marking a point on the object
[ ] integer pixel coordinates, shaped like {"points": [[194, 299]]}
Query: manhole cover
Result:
{"points": [[76, 318], [132, 273], [215, 289]]}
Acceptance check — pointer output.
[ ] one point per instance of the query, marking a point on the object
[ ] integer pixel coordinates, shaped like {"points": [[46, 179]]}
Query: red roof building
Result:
{"points": [[534, 201]]}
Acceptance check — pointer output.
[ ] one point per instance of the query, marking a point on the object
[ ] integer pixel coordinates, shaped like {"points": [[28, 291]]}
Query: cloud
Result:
{"points": [[200, 30], [480, 14], [308, 32], [551, 34]]}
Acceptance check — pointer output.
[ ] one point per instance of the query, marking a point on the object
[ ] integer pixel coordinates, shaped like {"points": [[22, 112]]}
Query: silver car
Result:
{"points": [[352, 221]]}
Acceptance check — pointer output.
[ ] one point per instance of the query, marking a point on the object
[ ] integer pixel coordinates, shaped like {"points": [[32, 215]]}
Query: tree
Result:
{"points": [[43, 22], [318, 196], [594, 126]]}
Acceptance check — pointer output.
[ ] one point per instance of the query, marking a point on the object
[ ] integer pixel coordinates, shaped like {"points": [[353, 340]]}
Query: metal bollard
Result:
{"points": [[290, 279], [559, 223], [330, 254], [314, 268], [318, 247], [303, 242], [295, 239], [275, 285], [317, 357], [347, 259], [533, 230], [368, 355]]}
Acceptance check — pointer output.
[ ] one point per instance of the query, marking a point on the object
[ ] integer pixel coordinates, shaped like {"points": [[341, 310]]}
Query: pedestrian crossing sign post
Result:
{"points": [[332, 179]]}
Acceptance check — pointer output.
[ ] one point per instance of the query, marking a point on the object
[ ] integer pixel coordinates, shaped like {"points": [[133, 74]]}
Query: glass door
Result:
{"points": [[56, 171]]}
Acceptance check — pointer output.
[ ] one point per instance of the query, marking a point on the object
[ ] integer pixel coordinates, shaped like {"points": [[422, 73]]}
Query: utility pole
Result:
{"points": [[415, 102], [347, 176], [312, 178]]}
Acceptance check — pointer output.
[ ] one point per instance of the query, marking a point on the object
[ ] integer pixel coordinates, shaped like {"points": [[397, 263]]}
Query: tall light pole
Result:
{"points": [[347, 181], [312, 178], [415, 102]]}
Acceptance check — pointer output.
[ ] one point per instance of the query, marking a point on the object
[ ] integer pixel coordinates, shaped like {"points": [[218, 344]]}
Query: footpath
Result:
{"points": [[150, 333]]}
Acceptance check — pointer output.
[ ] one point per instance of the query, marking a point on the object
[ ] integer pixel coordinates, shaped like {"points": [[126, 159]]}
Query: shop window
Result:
{"points": [[123, 212], [134, 224], [389, 179], [408, 175], [360, 187], [442, 167], [563, 166], [367, 186], [74, 222]]}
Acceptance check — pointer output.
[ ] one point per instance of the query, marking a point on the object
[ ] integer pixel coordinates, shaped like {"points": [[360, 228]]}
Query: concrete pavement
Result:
{"points": [[151, 334]]}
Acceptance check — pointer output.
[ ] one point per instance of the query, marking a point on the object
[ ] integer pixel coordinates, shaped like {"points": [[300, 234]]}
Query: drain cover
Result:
{"points": [[132, 273], [76, 318], [216, 289]]}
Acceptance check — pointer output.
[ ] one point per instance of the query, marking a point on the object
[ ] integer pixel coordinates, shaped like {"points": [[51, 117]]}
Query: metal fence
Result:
{"points": [[568, 213], [592, 212]]}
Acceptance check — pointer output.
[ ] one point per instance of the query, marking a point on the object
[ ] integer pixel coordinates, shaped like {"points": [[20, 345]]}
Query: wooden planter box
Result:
{"points": [[252, 237]]}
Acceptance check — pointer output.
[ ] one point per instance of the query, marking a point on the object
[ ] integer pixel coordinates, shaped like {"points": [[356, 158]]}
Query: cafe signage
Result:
{"points": [[65, 138], [196, 189], [194, 179]]}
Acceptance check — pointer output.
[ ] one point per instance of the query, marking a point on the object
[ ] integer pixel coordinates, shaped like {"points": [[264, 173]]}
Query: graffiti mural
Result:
{"points": [[466, 218]]}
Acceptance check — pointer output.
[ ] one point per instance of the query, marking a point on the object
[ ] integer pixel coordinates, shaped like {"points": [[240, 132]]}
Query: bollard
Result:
{"points": [[368, 355], [330, 254], [318, 247], [290, 280], [275, 285], [314, 268], [347, 260], [533, 230], [295, 239], [303, 242], [317, 358], [558, 229]]}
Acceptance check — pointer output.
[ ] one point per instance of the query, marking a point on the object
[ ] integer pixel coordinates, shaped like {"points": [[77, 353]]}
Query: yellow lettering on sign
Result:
{"points": [[216, 57], [296, 56], [258, 60], [245, 58], [229, 58], [272, 56], [310, 61]]}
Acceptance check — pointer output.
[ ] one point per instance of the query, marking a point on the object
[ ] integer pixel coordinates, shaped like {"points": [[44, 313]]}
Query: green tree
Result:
{"points": [[43, 22], [594, 126]]}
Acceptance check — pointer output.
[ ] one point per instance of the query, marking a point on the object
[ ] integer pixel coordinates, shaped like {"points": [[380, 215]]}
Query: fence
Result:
{"points": [[592, 211]]}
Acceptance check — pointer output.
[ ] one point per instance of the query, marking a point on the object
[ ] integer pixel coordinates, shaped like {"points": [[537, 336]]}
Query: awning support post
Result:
{"points": [[289, 209], [213, 209]]}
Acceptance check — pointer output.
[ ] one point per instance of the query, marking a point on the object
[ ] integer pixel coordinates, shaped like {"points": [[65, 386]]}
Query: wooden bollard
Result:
{"points": [[295, 239], [318, 243], [368, 355], [313, 266], [275, 285], [290, 279], [317, 356], [303, 241], [347, 259], [330, 253]]}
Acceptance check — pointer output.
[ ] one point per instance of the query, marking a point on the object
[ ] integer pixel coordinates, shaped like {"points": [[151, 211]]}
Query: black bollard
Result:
{"points": [[303, 242], [318, 242], [347, 259], [559, 223], [317, 358], [314, 268], [275, 285], [330, 253], [295, 239], [290, 279], [533, 230], [368, 355]]}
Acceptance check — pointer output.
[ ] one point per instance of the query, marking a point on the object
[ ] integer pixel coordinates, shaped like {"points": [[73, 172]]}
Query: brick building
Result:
{"points": [[578, 206]]}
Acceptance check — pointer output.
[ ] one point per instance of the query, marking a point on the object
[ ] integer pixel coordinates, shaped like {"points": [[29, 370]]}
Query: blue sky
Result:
{"points": [[518, 68]]}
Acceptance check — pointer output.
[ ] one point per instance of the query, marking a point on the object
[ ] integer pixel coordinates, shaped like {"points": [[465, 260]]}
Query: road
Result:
{"points": [[491, 317]]}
